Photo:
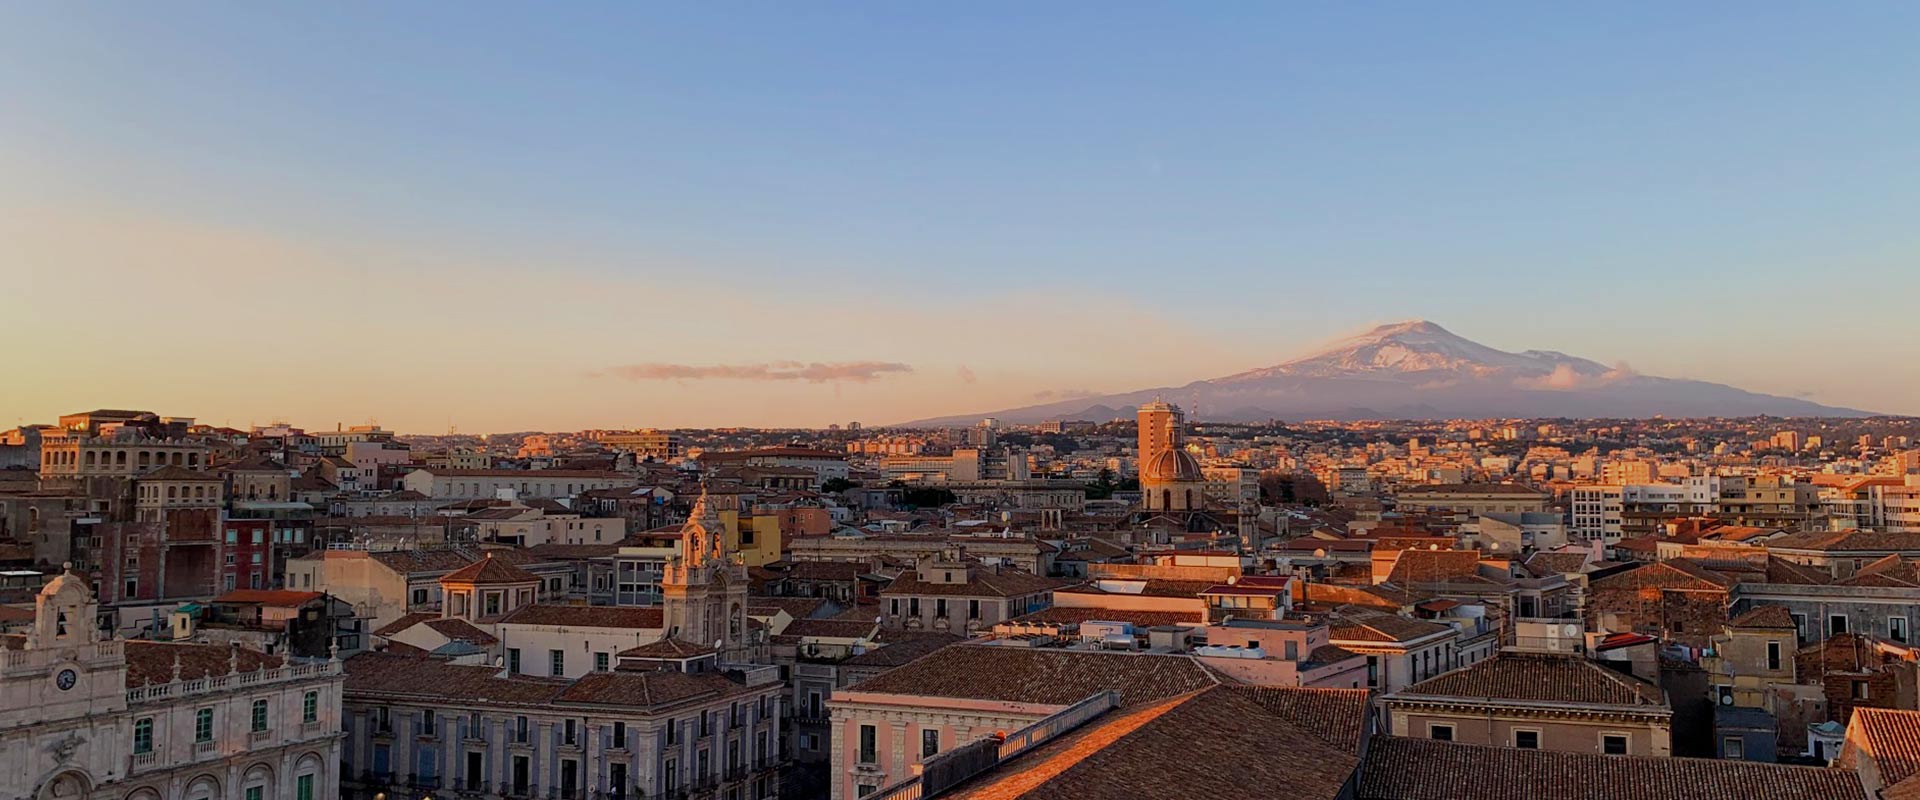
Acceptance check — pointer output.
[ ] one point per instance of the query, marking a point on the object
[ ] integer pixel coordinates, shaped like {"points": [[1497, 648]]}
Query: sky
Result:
{"points": [[503, 217]]}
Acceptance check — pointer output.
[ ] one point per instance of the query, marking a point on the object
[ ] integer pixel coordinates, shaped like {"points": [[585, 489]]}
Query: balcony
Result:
{"points": [[205, 749]]}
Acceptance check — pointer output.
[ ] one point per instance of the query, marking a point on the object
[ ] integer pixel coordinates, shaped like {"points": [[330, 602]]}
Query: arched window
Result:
{"points": [[1166, 499]]}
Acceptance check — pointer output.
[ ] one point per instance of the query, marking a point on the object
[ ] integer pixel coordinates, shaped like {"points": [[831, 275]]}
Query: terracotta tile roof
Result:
{"points": [[1847, 541], [1890, 738], [649, 688], [833, 628], [404, 622], [490, 570], [554, 551], [1557, 563], [796, 607], [412, 561], [1676, 573], [527, 473], [1145, 751], [900, 647], [1473, 488], [668, 648], [268, 597], [151, 663], [177, 473], [1398, 768], [986, 582], [587, 617], [1355, 624], [461, 630], [1063, 615], [1541, 677], [389, 675], [1336, 716], [1765, 618], [1889, 571], [1052, 677], [1435, 566]]}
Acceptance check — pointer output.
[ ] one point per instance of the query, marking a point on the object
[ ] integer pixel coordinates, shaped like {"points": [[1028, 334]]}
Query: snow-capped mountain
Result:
{"points": [[1419, 370]]}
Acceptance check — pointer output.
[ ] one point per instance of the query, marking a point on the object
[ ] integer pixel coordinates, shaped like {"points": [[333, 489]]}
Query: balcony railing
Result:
{"points": [[231, 681], [948, 769]]}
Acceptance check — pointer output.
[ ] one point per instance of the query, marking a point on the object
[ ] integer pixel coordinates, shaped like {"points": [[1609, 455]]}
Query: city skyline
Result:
{"points": [[613, 217]]}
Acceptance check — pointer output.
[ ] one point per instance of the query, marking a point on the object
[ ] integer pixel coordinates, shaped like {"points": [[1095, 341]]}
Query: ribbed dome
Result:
{"points": [[1171, 466]]}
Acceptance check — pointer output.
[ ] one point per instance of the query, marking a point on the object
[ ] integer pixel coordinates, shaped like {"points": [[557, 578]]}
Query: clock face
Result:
{"points": [[65, 679]]}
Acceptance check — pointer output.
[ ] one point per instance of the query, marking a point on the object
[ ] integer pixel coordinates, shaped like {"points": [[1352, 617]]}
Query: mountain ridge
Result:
{"points": [[1417, 369]]}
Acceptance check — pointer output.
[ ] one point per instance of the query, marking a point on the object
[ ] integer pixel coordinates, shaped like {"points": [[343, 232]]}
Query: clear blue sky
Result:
{"points": [[1007, 198]]}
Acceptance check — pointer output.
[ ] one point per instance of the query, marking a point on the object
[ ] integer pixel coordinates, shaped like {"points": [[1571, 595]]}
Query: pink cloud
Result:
{"points": [[810, 371]]}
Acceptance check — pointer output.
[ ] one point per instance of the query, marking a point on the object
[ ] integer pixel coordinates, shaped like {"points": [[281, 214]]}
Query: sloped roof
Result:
{"points": [[1356, 624], [1052, 677], [586, 616], [1399, 768], [1145, 751], [1888, 571], [1891, 738], [1765, 618], [488, 571], [1541, 677]]}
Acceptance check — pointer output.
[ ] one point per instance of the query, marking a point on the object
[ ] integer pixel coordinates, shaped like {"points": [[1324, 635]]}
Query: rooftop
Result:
{"points": [[1049, 677], [1397, 768]]}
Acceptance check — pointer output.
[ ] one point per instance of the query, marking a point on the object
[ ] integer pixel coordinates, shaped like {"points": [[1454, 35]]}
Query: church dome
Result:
{"points": [[1171, 466]]}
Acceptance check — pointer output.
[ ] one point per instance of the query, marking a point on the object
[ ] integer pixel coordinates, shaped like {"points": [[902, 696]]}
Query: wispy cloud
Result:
{"points": [[966, 375], [809, 371], [1565, 378], [1063, 394]]}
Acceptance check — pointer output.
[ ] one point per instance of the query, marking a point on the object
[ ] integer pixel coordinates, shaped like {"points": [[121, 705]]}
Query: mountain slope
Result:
{"points": [[1419, 370]]}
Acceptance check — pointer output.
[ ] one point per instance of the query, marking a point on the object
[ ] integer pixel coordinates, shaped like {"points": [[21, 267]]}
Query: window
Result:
{"points": [[429, 725], [600, 662], [1526, 740], [673, 731], [1897, 628], [513, 660], [1613, 744], [143, 736], [557, 660], [929, 742], [420, 597], [1293, 650], [520, 729], [1836, 624], [1799, 627], [940, 608], [256, 793], [973, 609], [1860, 690], [1733, 747], [913, 606], [1773, 655], [310, 707], [258, 537], [569, 733], [259, 716], [203, 725], [492, 603], [303, 788], [867, 789], [1440, 733], [868, 744], [476, 768], [620, 735], [893, 606]]}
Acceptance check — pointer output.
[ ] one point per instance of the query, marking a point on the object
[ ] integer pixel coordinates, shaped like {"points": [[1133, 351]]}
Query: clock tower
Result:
{"points": [[64, 683]]}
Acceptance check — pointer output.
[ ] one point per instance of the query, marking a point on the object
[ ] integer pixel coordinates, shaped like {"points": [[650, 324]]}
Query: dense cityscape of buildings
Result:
{"points": [[1150, 606]]}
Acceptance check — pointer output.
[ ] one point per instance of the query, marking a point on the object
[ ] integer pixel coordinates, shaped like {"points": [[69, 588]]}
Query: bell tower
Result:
{"points": [[704, 590]]}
